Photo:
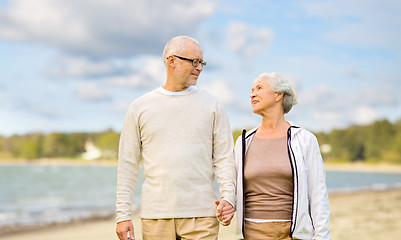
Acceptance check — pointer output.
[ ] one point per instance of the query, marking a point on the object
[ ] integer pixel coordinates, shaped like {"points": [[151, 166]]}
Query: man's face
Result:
{"points": [[186, 73]]}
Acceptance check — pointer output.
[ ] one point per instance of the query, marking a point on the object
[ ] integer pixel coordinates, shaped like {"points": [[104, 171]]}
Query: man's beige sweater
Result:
{"points": [[182, 140]]}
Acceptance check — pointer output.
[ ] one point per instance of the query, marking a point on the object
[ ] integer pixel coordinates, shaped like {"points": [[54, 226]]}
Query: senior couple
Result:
{"points": [[274, 178]]}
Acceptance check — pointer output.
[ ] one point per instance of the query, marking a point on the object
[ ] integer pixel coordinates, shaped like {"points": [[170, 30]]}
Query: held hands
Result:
{"points": [[123, 228], [224, 212]]}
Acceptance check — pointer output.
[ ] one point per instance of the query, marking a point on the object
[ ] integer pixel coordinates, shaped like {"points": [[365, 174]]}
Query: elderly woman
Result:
{"points": [[281, 186]]}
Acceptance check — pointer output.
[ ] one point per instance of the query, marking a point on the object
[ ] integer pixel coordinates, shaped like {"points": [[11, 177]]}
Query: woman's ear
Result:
{"points": [[279, 96]]}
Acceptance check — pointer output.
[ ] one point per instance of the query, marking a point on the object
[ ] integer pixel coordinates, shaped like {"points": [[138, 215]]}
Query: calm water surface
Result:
{"points": [[37, 194]]}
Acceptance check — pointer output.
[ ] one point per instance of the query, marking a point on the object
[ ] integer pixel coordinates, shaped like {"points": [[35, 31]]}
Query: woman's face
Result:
{"points": [[262, 97]]}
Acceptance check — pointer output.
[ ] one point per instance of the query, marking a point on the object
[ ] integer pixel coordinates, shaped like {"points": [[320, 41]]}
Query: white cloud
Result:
{"points": [[45, 111], [147, 72], [364, 115], [330, 118], [131, 81], [366, 23], [155, 69], [339, 107], [65, 67], [320, 96], [379, 95], [102, 27], [363, 35], [120, 106], [362, 9], [248, 40], [221, 90], [89, 91]]}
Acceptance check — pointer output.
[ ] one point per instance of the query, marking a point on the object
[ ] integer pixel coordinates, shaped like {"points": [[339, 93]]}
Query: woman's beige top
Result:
{"points": [[268, 180]]}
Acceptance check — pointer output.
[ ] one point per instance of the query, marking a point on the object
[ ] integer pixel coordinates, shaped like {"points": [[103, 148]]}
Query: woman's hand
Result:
{"points": [[224, 212]]}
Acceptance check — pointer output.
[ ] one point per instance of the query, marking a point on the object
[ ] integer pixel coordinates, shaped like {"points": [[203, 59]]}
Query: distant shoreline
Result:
{"points": [[363, 167], [349, 167], [59, 162]]}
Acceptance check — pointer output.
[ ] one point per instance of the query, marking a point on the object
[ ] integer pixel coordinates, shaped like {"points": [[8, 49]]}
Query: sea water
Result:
{"points": [[34, 195]]}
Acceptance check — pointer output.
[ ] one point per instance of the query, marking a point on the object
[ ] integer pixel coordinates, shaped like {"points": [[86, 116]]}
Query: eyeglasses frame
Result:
{"points": [[195, 62]]}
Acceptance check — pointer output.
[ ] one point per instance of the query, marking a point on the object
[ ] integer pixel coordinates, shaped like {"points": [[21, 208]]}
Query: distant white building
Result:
{"points": [[325, 148], [91, 151]]}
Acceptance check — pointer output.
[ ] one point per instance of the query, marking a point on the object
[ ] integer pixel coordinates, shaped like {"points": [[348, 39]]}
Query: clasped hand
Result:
{"points": [[224, 212]]}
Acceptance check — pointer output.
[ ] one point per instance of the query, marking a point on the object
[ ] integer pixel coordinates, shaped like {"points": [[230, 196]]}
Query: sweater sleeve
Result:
{"points": [[223, 155], [317, 191], [128, 165]]}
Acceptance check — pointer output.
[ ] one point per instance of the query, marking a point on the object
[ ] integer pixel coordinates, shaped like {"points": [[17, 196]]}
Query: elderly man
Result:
{"points": [[183, 137]]}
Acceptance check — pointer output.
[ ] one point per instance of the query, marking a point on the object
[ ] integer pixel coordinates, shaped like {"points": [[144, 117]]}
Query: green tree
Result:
{"points": [[75, 143], [347, 144], [378, 140], [30, 149], [30, 146], [12, 145], [108, 142], [394, 154], [55, 145]]}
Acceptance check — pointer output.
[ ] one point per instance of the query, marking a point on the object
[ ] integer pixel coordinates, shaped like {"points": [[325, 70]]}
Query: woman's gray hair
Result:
{"points": [[177, 45], [279, 83]]}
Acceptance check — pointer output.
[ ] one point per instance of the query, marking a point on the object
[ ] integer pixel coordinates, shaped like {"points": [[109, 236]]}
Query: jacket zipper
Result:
{"points": [[244, 137], [294, 170], [243, 184]]}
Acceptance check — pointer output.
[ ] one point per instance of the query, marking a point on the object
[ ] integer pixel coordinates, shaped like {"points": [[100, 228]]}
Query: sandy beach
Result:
{"points": [[367, 215], [363, 167]]}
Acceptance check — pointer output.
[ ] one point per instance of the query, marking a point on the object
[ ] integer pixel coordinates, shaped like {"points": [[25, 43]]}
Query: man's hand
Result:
{"points": [[224, 212], [123, 228]]}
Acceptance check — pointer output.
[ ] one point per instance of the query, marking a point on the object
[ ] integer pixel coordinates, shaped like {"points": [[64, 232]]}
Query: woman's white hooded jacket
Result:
{"points": [[310, 210]]}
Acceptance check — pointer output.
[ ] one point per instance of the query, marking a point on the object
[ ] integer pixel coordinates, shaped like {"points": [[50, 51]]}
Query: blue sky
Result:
{"points": [[75, 65]]}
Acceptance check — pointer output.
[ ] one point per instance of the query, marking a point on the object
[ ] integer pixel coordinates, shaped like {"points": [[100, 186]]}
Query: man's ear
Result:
{"points": [[171, 62]]}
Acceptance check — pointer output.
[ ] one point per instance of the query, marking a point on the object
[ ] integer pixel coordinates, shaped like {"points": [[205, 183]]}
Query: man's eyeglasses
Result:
{"points": [[195, 62]]}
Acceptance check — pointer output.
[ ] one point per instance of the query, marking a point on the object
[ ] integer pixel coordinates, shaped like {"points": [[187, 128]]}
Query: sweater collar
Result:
{"points": [[190, 89]]}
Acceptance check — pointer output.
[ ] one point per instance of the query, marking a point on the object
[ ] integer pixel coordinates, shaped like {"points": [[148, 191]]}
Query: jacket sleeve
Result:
{"points": [[317, 190], [238, 170], [223, 155], [128, 164], [239, 191]]}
